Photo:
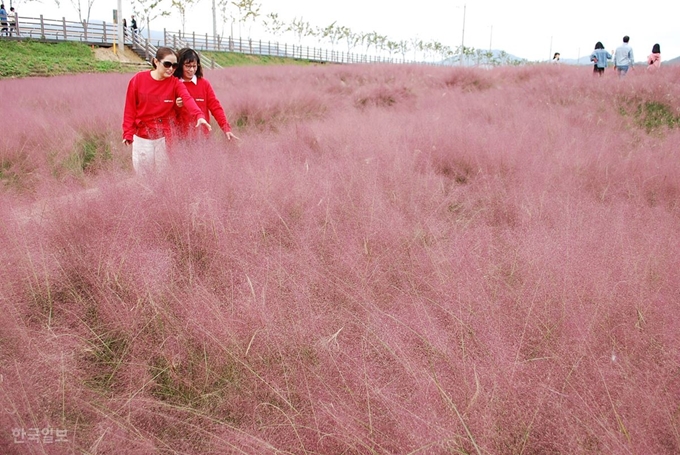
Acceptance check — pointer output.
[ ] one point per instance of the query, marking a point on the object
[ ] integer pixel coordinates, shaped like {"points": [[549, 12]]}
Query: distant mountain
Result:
{"points": [[585, 60], [674, 61], [493, 57]]}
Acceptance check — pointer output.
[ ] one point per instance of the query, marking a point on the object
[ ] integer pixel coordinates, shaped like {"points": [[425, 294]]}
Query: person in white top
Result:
{"points": [[13, 21], [623, 57]]}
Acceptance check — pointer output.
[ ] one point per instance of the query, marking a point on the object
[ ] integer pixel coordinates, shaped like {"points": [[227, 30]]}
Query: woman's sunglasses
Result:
{"points": [[168, 64]]}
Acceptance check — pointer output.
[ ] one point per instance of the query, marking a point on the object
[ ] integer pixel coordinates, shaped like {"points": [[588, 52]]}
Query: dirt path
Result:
{"points": [[124, 55], [40, 211]]}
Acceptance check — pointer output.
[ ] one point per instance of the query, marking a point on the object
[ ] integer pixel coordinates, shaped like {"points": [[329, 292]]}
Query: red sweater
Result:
{"points": [[204, 95], [150, 106]]}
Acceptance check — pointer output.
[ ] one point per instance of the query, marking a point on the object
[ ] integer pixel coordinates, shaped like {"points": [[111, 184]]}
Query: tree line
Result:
{"points": [[248, 12]]}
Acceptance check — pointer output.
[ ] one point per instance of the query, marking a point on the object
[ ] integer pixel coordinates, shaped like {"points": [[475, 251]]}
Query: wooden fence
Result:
{"points": [[274, 49], [106, 33], [100, 33]]}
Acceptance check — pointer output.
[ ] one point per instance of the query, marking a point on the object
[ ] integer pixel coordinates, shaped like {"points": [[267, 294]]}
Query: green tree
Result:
{"points": [[403, 49], [300, 28], [78, 6], [227, 15], [332, 33], [248, 10], [182, 7], [352, 39], [374, 39], [392, 47], [148, 10], [417, 45], [273, 25]]}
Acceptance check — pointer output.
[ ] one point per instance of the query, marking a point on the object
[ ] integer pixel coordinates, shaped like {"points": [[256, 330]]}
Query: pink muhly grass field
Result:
{"points": [[392, 260]]}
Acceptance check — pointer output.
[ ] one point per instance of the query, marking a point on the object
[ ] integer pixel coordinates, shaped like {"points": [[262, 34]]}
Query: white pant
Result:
{"points": [[149, 155]]}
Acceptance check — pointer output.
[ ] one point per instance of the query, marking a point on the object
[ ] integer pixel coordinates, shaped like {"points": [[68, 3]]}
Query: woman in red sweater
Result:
{"points": [[190, 73], [149, 117]]}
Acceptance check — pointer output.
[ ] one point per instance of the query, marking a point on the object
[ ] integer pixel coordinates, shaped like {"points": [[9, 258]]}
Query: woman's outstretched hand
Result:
{"points": [[202, 121]]}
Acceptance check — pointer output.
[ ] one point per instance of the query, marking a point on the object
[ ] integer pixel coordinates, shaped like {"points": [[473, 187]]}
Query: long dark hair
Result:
{"points": [[656, 49], [599, 45], [188, 55]]}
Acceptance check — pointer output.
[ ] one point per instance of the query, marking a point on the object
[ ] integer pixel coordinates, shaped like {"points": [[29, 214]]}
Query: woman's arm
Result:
{"points": [[190, 104], [215, 107], [130, 111]]}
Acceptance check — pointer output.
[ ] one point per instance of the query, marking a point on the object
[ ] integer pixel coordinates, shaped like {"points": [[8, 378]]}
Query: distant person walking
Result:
{"points": [[124, 28], [13, 21], [654, 59], [149, 118], [556, 58], [190, 72], [600, 57], [3, 20], [133, 26], [623, 57]]}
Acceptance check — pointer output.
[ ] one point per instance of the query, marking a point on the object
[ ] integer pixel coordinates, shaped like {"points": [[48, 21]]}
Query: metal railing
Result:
{"points": [[139, 45], [63, 30], [179, 43], [103, 33], [273, 49]]}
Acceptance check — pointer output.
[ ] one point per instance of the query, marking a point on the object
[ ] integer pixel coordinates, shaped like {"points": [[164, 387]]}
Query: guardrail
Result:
{"points": [[63, 30], [179, 43], [273, 49], [103, 33]]}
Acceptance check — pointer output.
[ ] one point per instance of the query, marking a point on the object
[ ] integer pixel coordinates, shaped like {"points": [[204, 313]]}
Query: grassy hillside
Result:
{"points": [[33, 58], [392, 260], [235, 59]]}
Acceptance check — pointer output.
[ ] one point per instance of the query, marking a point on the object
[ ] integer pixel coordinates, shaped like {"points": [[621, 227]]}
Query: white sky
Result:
{"points": [[528, 29]]}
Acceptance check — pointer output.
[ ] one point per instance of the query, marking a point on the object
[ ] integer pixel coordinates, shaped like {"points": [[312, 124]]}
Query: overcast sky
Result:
{"points": [[530, 29]]}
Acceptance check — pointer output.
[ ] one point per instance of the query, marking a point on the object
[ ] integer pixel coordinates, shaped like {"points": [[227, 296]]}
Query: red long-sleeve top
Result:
{"points": [[150, 106], [202, 92]]}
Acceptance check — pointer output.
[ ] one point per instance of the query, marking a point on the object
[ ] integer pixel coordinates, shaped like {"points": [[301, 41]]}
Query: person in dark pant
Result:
{"points": [[600, 57], [133, 26], [3, 20]]}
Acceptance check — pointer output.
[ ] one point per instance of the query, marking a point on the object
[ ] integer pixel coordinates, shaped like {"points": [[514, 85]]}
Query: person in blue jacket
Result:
{"points": [[623, 57], [3, 20], [600, 57]]}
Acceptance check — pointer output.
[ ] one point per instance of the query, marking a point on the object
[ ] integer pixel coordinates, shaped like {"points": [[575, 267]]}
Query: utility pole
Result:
{"points": [[121, 38], [462, 41], [490, 38], [214, 20]]}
